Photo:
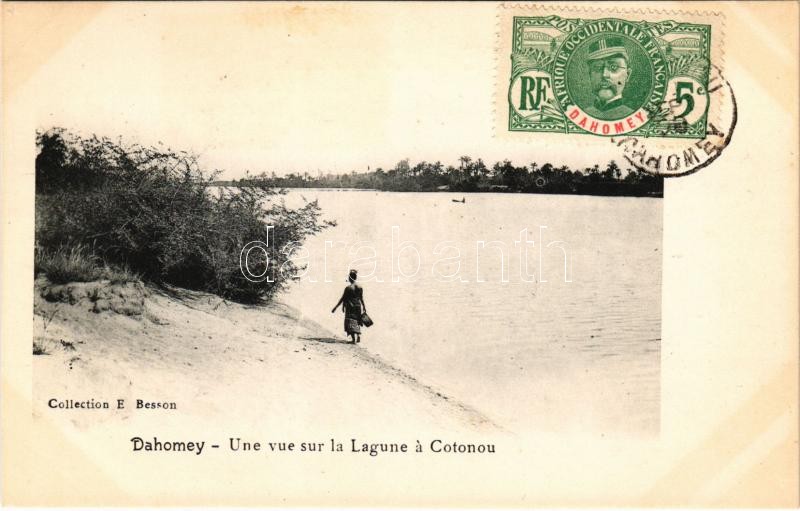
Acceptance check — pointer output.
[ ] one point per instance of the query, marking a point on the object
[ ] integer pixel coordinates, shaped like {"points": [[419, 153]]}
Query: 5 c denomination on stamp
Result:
{"points": [[608, 76]]}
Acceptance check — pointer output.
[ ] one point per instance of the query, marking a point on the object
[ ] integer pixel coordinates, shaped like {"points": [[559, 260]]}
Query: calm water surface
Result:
{"points": [[573, 350]]}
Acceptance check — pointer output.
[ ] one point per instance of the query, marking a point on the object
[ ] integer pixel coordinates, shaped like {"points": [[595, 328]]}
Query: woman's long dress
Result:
{"points": [[352, 309]]}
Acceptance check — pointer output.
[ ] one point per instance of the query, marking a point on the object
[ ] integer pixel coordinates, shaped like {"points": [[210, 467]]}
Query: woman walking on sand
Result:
{"points": [[352, 302]]}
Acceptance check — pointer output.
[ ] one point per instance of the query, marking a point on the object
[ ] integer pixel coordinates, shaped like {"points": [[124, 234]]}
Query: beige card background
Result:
{"points": [[367, 78]]}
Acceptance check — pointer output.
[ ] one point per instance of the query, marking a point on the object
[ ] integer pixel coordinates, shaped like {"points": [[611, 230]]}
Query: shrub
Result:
{"points": [[68, 264], [39, 348], [152, 211], [79, 264]]}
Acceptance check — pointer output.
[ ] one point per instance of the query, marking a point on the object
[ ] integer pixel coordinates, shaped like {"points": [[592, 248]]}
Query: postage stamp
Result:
{"points": [[605, 73]]}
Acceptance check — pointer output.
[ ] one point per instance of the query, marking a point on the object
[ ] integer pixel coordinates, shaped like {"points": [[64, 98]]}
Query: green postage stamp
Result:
{"points": [[639, 74]]}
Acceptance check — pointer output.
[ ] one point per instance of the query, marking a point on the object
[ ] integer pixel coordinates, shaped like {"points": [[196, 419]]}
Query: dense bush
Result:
{"points": [[151, 211]]}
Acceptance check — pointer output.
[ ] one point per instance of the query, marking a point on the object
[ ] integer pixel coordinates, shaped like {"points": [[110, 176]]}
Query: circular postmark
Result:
{"points": [[681, 157]]}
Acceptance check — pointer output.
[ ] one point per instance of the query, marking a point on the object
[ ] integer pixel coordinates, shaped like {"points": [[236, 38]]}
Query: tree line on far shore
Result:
{"points": [[473, 175]]}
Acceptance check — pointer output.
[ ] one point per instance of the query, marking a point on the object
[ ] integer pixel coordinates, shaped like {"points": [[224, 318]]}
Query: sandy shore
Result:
{"points": [[219, 361]]}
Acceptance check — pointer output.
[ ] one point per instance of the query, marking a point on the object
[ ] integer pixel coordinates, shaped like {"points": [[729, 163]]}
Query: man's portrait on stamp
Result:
{"points": [[610, 77], [609, 71]]}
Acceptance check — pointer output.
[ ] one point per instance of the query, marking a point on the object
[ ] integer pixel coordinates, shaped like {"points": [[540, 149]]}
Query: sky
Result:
{"points": [[287, 88]]}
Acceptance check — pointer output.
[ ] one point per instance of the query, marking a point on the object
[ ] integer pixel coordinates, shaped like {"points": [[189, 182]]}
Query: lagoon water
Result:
{"points": [[575, 347]]}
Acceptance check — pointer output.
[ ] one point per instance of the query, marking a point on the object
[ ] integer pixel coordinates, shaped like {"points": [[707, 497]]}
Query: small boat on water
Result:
{"points": [[462, 201]]}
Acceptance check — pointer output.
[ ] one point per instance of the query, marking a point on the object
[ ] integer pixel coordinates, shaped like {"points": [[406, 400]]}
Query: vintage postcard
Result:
{"points": [[400, 255]]}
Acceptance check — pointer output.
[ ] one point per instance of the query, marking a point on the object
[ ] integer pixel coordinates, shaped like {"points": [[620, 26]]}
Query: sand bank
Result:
{"points": [[182, 355]]}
